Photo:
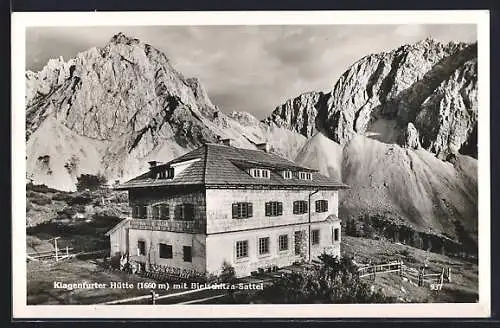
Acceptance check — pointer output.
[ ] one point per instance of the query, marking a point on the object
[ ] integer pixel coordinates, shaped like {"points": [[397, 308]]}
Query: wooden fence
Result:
{"points": [[418, 276], [61, 254]]}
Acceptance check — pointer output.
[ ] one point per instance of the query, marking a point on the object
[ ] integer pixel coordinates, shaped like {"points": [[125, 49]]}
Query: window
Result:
{"points": [[264, 245], [305, 176], [184, 212], [283, 242], [241, 249], [141, 248], [187, 256], [287, 175], [321, 206], [260, 173], [336, 234], [299, 207], [315, 237], [166, 251], [164, 212], [165, 173], [135, 211], [242, 210], [298, 242], [155, 212], [274, 208]]}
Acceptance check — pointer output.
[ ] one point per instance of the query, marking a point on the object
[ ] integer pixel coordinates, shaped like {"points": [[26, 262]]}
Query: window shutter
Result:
{"points": [[235, 211], [268, 209], [280, 208], [295, 207], [317, 205], [189, 212], [165, 212], [326, 205], [177, 212], [250, 210]]}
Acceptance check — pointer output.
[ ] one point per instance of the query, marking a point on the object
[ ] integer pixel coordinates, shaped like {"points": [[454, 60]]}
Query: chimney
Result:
{"points": [[263, 146], [226, 142], [152, 164]]}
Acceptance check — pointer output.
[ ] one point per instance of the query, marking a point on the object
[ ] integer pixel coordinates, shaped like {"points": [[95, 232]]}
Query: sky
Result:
{"points": [[249, 68]]}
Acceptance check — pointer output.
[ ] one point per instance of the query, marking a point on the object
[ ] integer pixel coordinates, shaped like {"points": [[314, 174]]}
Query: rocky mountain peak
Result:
{"points": [[303, 114], [428, 84], [121, 38], [126, 104]]}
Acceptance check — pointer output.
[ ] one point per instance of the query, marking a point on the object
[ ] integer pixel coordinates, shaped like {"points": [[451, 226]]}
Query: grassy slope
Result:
{"points": [[45, 219]]}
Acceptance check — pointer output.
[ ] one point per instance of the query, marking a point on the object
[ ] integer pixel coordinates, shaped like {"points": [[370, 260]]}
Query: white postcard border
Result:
{"points": [[20, 21]]}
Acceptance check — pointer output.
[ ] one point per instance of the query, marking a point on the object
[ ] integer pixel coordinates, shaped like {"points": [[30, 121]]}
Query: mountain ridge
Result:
{"points": [[128, 95], [407, 85]]}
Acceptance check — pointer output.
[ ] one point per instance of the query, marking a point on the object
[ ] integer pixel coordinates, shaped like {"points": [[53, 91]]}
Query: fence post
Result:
{"points": [[153, 297], [449, 274], [400, 266], [55, 246], [421, 277]]}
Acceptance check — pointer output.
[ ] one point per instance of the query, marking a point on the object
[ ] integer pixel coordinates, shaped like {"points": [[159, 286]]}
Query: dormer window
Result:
{"points": [[260, 173], [305, 176], [167, 173], [287, 174]]}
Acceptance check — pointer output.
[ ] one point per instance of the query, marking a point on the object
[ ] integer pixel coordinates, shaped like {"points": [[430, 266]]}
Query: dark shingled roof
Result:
{"points": [[225, 166]]}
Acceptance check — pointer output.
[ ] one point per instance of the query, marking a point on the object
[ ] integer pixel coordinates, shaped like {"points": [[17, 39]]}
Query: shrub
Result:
{"points": [[83, 199], [40, 199], [90, 181], [62, 196], [39, 188], [333, 280], [228, 275]]}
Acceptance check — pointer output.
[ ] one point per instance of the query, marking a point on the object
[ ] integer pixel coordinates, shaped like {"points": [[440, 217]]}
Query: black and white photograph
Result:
{"points": [[320, 160]]}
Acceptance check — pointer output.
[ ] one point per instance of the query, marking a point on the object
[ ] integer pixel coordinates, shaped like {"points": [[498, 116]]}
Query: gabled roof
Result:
{"points": [[225, 166]]}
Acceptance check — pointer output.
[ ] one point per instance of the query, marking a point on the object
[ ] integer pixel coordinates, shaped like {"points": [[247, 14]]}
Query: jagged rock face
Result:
{"points": [[410, 137], [129, 105], [429, 84], [127, 85], [304, 114]]}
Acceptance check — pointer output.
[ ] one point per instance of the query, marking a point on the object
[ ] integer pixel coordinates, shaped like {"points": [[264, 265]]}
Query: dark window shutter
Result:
{"points": [[268, 209], [177, 212], [317, 205], [280, 208], [165, 212], [295, 207], [250, 210], [235, 210], [189, 212], [306, 206], [326, 205]]}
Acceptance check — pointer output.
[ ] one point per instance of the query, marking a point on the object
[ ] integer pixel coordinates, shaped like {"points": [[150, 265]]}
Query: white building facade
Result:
{"points": [[247, 208]]}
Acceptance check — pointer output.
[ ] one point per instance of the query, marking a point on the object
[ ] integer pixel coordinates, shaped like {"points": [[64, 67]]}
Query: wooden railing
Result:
{"points": [[433, 280], [168, 225]]}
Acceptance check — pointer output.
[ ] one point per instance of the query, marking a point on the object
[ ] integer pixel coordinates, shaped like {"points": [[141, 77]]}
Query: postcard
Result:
{"points": [[251, 164]]}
